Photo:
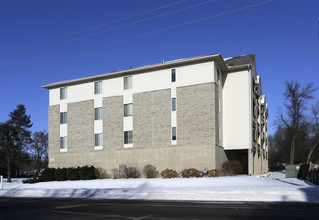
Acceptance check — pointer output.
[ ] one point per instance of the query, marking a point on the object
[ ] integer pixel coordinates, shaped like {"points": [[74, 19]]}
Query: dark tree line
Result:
{"points": [[19, 150], [296, 139]]}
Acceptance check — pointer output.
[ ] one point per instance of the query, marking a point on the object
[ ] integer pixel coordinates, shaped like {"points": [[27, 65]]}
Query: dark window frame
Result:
{"points": [[174, 104], [127, 112], [174, 134], [173, 75], [98, 113], [63, 117], [128, 137], [98, 87]]}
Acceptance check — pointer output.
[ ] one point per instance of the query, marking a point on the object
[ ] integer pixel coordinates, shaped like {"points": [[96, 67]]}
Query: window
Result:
{"points": [[128, 109], [63, 117], [173, 133], [63, 93], [128, 137], [98, 139], [63, 142], [98, 87], [128, 82], [173, 104], [173, 75], [98, 113]]}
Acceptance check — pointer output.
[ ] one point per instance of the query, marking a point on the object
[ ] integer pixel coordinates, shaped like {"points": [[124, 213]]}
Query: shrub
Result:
{"points": [[131, 172], [32, 180], [191, 172], [101, 173], [115, 173], [72, 173], [167, 173], [232, 167], [60, 174], [87, 173], [215, 173], [150, 171], [47, 174]]}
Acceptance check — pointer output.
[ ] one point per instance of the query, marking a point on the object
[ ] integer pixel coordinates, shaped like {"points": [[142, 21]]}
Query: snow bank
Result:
{"points": [[263, 188]]}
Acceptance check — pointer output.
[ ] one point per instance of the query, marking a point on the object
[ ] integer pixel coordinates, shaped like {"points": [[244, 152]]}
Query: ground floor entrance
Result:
{"points": [[241, 156]]}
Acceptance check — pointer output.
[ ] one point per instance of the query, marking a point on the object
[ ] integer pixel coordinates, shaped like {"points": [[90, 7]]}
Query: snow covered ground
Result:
{"points": [[238, 188]]}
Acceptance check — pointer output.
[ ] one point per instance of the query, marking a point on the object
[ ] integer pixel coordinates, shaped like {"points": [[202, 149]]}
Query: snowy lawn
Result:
{"points": [[238, 188]]}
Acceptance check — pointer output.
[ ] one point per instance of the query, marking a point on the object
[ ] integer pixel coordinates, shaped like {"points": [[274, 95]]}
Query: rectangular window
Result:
{"points": [[128, 82], [63, 117], [63, 142], [173, 133], [98, 139], [98, 113], [98, 87], [63, 93], [173, 104], [173, 75], [128, 109], [128, 137]]}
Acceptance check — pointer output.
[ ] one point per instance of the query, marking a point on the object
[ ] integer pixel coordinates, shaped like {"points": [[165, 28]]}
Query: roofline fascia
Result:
{"points": [[238, 68]]}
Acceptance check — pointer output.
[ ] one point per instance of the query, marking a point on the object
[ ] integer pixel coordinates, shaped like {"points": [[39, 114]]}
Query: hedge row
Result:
{"points": [[192, 172], [150, 171], [62, 174], [230, 168]]}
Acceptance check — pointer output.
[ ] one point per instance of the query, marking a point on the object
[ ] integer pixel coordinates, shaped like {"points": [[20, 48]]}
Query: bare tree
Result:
{"points": [[292, 117], [315, 129], [39, 148]]}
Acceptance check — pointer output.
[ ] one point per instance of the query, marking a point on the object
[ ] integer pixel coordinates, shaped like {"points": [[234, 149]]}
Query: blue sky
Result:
{"points": [[284, 35]]}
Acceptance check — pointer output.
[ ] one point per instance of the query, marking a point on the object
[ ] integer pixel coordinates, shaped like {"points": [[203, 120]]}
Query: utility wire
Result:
{"points": [[111, 29], [137, 36], [94, 27]]}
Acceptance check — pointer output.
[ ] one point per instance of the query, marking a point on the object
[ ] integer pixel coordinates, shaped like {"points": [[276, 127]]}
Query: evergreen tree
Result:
{"points": [[15, 136]]}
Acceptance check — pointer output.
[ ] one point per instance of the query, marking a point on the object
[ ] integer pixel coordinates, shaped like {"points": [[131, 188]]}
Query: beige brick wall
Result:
{"points": [[113, 122], [152, 119], [195, 115], [81, 127], [196, 134], [54, 129]]}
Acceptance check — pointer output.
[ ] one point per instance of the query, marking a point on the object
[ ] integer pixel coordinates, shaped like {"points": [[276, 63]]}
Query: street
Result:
{"points": [[35, 208]]}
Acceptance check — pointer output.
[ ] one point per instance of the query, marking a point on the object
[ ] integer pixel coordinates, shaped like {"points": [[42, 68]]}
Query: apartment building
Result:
{"points": [[196, 112]]}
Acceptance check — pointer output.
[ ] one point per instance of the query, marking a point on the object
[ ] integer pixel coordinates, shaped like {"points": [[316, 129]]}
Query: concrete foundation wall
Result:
{"points": [[177, 158]]}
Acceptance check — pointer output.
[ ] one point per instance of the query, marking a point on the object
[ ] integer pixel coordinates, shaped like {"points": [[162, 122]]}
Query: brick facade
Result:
{"points": [[81, 126], [113, 122]]}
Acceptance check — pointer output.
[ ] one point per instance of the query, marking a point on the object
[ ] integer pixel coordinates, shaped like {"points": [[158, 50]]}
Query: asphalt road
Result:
{"points": [[33, 208]]}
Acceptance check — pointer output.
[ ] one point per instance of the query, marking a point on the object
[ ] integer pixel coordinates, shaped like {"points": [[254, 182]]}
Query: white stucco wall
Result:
{"points": [[236, 111]]}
